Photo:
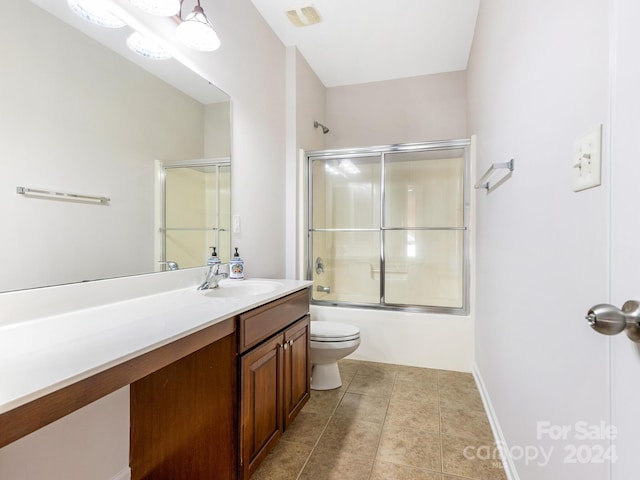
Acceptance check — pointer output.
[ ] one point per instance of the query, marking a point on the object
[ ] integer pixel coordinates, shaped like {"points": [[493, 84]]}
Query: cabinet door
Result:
{"points": [[297, 365], [261, 402]]}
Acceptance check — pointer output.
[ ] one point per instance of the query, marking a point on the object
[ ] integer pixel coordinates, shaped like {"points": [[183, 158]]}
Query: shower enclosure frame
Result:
{"points": [[161, 209], [382, 150]]}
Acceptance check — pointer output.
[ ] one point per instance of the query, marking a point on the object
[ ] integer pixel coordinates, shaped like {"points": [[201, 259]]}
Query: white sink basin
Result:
{"points": [[242, 288]]}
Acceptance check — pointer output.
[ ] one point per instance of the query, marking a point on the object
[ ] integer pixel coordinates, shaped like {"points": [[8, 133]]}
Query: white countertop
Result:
{"points": [[44, 354]]}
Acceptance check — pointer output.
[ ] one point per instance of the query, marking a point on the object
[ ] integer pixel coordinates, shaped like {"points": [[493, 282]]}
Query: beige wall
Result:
{"points": [[429, 107], [217, 134], [306, 98], [250, 67]]}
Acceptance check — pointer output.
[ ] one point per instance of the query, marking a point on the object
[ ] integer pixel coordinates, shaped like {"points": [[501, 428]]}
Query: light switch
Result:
{"points": [[586, 161], [235, 224]]}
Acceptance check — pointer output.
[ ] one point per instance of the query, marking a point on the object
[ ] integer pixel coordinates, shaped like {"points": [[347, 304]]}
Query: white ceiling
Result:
{"points": [[360, 41]]}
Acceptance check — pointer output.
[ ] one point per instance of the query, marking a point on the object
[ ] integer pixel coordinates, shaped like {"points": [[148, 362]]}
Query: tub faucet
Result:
{"points": [[214, 275]]}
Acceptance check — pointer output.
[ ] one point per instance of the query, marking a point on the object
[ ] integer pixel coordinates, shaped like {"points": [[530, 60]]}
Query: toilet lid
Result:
{"points": [[333, 332]]}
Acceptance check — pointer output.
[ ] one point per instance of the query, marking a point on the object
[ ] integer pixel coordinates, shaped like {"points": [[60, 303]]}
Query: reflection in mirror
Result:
{"points": [[79, 117], [197, 206]]}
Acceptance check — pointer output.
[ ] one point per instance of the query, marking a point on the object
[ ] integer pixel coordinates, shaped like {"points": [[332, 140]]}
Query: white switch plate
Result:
{"points": [[235, 223], [587, 160]]}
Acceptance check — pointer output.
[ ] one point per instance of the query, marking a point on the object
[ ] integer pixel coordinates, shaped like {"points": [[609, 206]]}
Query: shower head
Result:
{"points": [[317, 124]]}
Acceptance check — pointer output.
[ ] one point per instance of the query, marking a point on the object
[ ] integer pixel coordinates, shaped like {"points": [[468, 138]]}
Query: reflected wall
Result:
{"points": [[78, 117]]}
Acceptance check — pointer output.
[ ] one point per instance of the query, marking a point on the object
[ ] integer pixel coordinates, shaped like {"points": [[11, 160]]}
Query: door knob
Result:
{"points": [[610, 320]]}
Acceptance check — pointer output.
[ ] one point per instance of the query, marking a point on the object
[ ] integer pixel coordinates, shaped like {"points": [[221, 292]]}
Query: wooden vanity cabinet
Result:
{"points": [[275, 375], [213, 404], [184, 417]]}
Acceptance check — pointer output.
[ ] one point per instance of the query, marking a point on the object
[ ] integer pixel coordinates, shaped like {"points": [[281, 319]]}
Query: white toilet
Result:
{"points": [[330, 341]]}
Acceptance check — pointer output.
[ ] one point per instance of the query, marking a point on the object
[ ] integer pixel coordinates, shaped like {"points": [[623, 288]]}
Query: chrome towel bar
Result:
{"points": [[61, 195], [485, 180]]}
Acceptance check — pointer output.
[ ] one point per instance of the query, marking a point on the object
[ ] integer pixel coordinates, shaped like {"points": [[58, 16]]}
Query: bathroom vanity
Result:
{"points": [[275, 374], [213, 381]]}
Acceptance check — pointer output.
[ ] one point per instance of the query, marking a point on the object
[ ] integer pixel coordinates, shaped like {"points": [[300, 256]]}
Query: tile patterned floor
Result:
{"points": [[388, 422]]}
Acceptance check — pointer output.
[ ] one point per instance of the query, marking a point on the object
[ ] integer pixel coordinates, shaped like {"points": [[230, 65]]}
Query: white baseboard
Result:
{"points": [[507, 461], [124, 474]]}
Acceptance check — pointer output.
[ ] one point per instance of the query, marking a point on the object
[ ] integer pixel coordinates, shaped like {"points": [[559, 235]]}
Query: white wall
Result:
{"points": [[537, 80]]}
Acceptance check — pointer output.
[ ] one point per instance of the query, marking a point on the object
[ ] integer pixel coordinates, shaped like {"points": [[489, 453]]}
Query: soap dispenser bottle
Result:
{"points": [[236, 266], [213, 259]]}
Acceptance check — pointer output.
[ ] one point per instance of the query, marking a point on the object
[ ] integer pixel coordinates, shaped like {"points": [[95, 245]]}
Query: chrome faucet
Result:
{"points": [[171, 265], [214, 275]]}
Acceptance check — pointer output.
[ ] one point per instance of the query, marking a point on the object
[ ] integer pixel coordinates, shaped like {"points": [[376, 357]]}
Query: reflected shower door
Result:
{"points": [[196, 213]]}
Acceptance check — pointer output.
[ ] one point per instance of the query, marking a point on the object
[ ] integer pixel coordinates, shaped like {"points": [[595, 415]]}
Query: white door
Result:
{"points": [[625, 231]]}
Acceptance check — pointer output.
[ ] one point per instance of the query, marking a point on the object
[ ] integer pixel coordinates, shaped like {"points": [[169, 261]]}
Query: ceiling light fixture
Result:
{"points": [[163, 8], [146, 47], [196, 31], [96, 12]]}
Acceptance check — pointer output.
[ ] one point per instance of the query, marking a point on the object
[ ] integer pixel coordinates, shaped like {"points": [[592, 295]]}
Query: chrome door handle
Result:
{"points": [[610, 320]]}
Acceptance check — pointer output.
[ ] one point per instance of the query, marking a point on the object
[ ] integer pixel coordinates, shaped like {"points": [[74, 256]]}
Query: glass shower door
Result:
{"points": [[345, 231], [388, 227], [424, 228]]}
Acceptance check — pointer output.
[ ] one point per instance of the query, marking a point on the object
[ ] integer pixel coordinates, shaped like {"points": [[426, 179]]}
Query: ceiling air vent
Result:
{"points": [[303, 16]]}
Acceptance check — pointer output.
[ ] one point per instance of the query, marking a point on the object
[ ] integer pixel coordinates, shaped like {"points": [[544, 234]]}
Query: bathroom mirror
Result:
{"points": [[81, 118]]}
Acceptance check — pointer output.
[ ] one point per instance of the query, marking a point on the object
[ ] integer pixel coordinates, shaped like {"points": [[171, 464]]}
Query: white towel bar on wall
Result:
{"points": [[61, 195], [485, 180]]}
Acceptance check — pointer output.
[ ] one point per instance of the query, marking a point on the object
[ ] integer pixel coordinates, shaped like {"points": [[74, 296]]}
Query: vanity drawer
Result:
{"points": [[259, 324]]}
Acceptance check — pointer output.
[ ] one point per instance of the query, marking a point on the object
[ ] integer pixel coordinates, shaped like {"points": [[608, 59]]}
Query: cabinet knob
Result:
{"points": [[291, 343], [286, 345]]}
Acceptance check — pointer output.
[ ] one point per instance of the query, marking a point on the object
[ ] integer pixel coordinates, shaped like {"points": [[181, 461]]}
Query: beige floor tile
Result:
{"points": [[460, 394], [350, 437], [417, 392], [346, 375], [326, 465], [468, 424], [363, 407], [450, 376], [378, 386], [393, 471], [411, 448], [375, 369], [417, 375], [461, 457], [323, 402], [424, 417], [284, 462], [384, 424], [306, 428]]}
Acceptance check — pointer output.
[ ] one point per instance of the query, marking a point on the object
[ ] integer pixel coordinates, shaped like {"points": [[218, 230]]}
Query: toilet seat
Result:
{"points": [[322, 331]]}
